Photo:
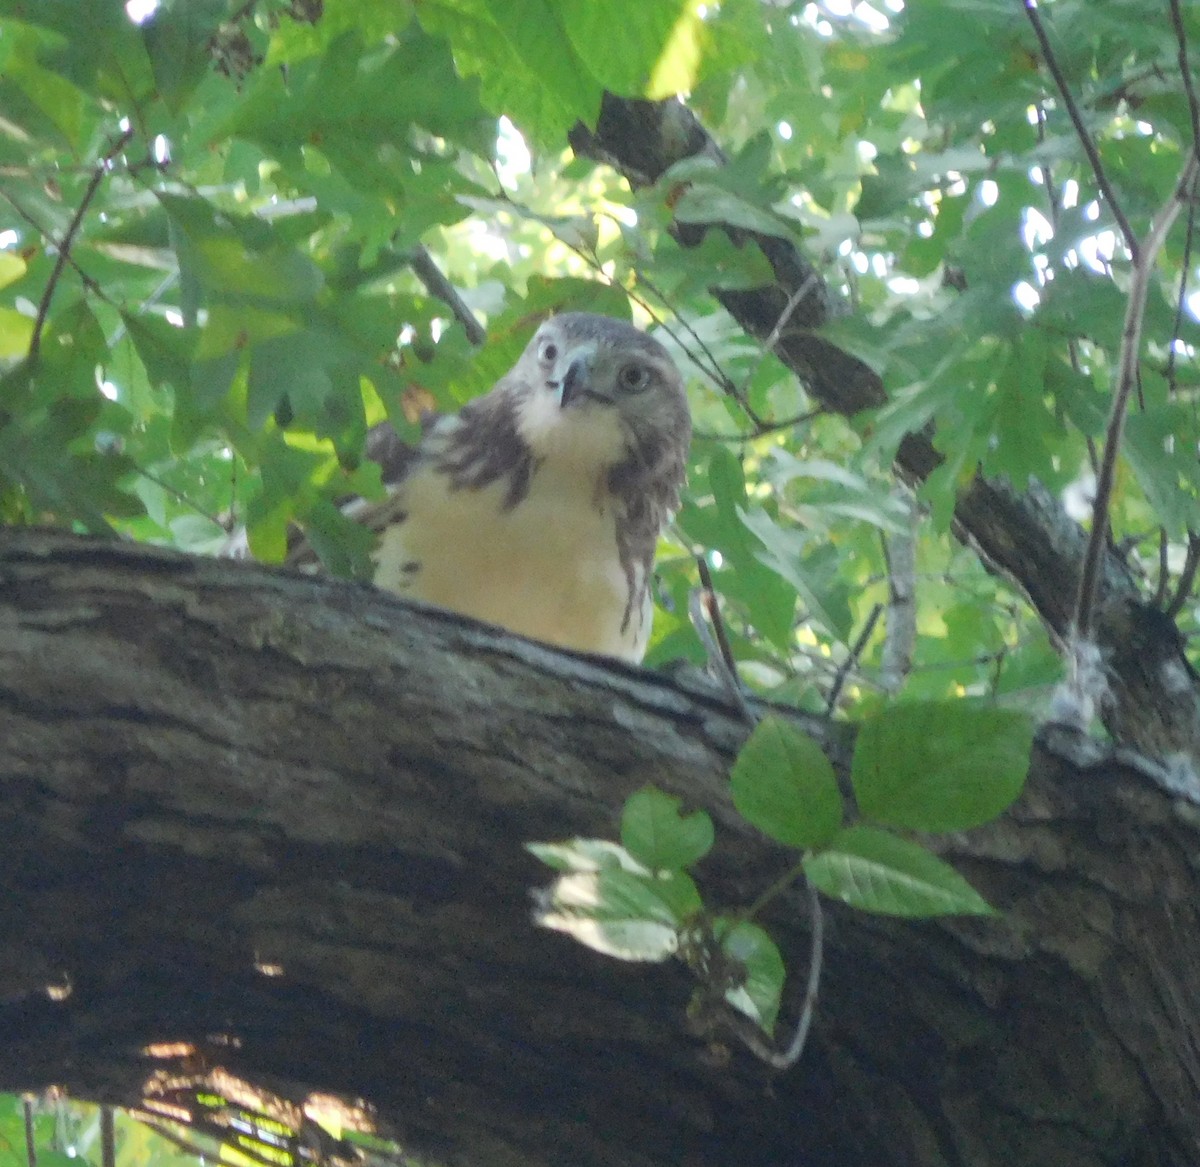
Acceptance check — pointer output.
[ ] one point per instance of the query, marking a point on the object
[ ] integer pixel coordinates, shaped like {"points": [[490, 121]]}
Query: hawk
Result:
{"points": [[538, 506]]}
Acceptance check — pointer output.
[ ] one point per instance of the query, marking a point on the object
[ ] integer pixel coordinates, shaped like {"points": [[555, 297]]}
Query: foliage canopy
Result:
{"points": [[213, 219]]}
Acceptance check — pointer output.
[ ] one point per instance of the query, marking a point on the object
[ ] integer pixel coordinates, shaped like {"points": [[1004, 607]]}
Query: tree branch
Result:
{"points": [[1145, 258], [438, 285], [266, 827]]}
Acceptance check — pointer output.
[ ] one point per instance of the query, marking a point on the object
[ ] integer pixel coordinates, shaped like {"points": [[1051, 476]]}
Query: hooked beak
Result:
{"points": [[572, 378], [574, 381]]}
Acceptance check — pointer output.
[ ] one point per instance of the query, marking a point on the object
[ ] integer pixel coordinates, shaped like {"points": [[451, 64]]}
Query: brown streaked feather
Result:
{"points": [[394, 455], [486, 446]]}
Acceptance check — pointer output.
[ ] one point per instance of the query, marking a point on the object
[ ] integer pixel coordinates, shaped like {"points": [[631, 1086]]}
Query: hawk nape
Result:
{"points": [[538, 506]]}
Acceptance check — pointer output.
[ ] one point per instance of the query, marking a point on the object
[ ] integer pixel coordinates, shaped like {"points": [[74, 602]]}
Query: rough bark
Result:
{"points": [[1154, 700], [280, 818]]}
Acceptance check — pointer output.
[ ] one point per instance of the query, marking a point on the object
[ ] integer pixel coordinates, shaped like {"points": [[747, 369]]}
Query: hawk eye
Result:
{"points": [[634, 378], [547, 351]]}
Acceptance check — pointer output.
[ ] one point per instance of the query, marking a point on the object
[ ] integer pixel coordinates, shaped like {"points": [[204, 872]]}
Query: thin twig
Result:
{"points": [[1085, 139], [768, 345], [770, 427], [710, 628], [64, 247], [700, 611], [1185, 70], [764, 428], [778, 887], [856, 651], [1127, 376], [108, 1138], [701, 356], [436, 284], [1187, 577], [180, 497], [714, 613], [30, 1142], [900, 556], [709, 364], [1185, 268], [1164, 546], [89, 283], [150, 301], [1044, 167]]}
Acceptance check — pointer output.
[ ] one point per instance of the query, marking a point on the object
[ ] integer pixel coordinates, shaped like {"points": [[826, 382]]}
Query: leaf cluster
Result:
{"points": [[928, 768]]}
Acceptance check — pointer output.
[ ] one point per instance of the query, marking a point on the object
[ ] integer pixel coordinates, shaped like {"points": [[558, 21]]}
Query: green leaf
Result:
{"points": [[613, 911], [357, 104], [52, 1158], [941, 765], [783, 551], [166, 351], [525, 58], [236, 256], [341, 544], [708, 203], [12, 268], [660, 44], [655, 831], [876, 872], [751, 947], [783, 784], [769, 600], [16, 331], [59, 436], [1158, 438], [179, 41]]}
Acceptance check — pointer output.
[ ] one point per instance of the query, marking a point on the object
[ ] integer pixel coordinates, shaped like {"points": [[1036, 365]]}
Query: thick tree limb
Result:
{"points": [[212, 772], [1155, 703]]}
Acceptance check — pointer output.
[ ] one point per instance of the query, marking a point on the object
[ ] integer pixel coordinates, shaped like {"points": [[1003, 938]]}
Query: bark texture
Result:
{"points": [[280, 818]]}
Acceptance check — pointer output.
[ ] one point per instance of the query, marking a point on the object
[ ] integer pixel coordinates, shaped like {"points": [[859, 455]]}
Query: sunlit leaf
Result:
{"points": [[16, 331], [613, 911]]}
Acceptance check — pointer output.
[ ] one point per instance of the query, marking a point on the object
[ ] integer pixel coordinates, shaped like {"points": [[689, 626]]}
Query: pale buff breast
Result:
{"points": [[547, 568]]}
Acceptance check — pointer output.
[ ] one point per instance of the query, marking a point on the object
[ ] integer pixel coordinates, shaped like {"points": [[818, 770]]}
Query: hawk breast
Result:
{"points": [[547, 566]]}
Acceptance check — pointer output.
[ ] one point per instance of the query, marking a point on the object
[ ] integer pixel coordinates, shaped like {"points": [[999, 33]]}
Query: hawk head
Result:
{"points": [[604, 395]]}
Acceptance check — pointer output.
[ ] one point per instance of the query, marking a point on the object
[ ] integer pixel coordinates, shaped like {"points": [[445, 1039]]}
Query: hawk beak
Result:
{"points": [[574, 382]]}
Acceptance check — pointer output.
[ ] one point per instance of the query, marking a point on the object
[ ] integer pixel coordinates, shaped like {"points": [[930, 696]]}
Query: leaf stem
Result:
{"points": [[777, 888], [788, 1057]]}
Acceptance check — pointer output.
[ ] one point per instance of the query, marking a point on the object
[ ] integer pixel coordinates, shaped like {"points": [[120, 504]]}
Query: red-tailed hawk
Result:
{"points": [[537, 507]]}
